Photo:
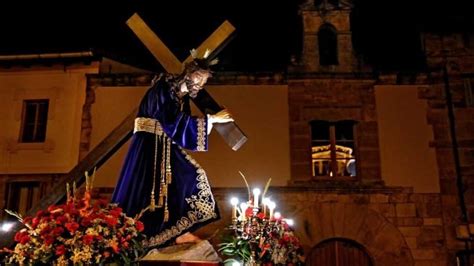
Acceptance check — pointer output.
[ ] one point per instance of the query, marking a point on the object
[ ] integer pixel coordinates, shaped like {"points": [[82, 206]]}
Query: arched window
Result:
{"points": [[327, 41], [339, 252]]}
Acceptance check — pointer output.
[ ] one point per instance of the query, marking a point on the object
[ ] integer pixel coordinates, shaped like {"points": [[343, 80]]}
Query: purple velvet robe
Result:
{"points": [[190, 202]]}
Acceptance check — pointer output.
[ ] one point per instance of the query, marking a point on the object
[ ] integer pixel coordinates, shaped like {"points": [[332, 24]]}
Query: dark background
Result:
{"points": [[385, 32]]}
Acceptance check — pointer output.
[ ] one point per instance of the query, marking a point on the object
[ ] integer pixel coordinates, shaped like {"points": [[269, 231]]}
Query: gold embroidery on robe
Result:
{"points": [[201, 134], [202, 208]]}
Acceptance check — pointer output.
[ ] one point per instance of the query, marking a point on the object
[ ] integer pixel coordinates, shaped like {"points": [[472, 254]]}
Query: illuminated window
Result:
{"points": [[34, 120], [332, 149], [327, 42]]}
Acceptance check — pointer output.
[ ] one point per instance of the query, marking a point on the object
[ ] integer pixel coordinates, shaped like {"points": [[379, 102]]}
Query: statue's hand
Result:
{"points": [[222, 116]]}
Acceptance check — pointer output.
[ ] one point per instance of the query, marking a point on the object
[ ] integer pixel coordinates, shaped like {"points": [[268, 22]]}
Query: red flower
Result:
{"points": [[45, 231], [58, 231], [40, 213], [35, 222], [86, 222], [249, 212], [140, 226], [101, 203], [19, 235], [60, 250], [106, 254], [61, 219], [116, 212], [115, 248], [72, 227], [27, 220], [48, 240], [87, 239], [111, 221], [261, 215], [24, 239]]}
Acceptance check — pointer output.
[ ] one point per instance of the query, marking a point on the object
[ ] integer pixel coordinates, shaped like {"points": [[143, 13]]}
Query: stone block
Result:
{"points": [[409, 221], [410, 231], [327, 198], [432, 221], [411, 242], [431, 236], [405, 209], [398, 198], [378, 198], [385, 209], [423, 254]]}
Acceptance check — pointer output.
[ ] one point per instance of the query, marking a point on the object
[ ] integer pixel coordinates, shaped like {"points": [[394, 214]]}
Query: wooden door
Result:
{"points": [[338, 252]]}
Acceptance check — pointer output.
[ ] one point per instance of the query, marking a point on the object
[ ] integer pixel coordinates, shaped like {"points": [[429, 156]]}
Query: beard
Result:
{"points": [[193, 89]]}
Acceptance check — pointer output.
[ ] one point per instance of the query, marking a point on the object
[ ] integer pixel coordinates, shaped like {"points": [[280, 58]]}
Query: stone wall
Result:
{"points": [[452, 59], [312, 22], [47, 181], [437, 116], [333, 99], [395, 225]]}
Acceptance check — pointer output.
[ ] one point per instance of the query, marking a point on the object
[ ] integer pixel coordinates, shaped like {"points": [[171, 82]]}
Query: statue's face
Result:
{"points": [[196, 80]]}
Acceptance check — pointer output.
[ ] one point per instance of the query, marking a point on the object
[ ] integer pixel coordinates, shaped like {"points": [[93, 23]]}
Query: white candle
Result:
{"points": [[243, 208], [277, 215], [271, 206], [256, 194], [234, 202], [265, 202]]}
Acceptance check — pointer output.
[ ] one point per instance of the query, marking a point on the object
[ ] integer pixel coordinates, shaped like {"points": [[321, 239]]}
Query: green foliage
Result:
{"points": [[235, 249]]}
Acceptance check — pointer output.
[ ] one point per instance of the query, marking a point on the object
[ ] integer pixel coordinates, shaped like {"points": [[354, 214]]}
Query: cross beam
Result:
{"points": [[231, 133]]}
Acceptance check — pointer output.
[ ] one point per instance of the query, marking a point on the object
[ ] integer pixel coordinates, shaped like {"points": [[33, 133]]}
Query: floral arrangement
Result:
{"points": [[81, 231], [260, 236]]}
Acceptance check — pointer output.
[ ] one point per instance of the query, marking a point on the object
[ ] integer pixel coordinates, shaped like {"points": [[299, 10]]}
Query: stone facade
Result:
{"points": [[327, 99], [452, 58], [414, 228], [395, 225]]}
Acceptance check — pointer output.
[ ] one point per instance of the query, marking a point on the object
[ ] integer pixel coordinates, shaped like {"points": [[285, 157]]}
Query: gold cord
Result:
{"points": [[152, 197]]}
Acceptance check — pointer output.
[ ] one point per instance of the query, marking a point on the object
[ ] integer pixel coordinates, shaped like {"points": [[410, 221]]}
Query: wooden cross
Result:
{"points": [[231, 133]]}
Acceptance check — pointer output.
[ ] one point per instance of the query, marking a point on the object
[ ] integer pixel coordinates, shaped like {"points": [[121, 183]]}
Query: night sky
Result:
{"points": [[385, 32]]}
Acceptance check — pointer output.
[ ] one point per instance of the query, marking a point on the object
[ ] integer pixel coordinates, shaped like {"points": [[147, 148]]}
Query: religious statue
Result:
{"points": [[158, 175]]}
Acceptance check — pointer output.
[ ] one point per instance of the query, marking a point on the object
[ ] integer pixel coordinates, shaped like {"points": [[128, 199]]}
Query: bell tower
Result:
{"points": [[327, 36]]}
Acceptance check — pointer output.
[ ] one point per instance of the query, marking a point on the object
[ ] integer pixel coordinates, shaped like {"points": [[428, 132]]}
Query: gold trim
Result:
{"points": [[202, 207], [150, 125], [201, 135]]}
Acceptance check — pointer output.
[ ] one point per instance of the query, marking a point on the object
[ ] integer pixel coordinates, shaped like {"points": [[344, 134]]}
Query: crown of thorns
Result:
{"points": [[200, 63]]}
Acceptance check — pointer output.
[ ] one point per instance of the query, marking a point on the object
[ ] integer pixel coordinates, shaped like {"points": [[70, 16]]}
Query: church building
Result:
{"points": [[374, 167]]}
